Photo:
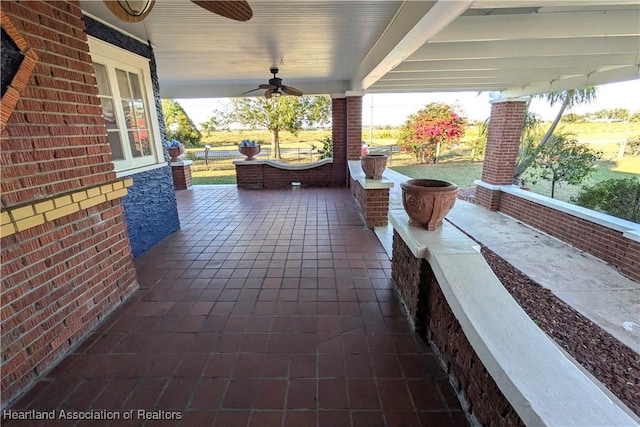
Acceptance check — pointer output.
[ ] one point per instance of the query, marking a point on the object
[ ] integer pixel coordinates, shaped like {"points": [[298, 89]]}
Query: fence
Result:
{"points": [[223, 159]]}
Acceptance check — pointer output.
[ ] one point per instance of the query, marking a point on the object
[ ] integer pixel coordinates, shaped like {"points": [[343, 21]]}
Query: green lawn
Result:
{"points": [[463, 175], [457, 166], [214, 177]]}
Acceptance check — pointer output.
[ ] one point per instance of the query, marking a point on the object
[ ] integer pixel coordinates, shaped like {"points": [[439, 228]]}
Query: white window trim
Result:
{"points": [[103, 52]]}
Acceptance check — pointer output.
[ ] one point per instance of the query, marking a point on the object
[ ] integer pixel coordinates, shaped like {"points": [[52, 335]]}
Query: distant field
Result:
{"points": [[605, 137]]}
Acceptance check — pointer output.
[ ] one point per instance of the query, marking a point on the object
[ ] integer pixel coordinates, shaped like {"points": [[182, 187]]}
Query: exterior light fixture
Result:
{"points": [[130, 10]]}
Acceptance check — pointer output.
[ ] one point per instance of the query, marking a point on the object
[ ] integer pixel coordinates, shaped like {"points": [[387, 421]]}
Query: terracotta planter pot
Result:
{"points": [[427, 201], [373, 165], [250, 152], [176, 152]]}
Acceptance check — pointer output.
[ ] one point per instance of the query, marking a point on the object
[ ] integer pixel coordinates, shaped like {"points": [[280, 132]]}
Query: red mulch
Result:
{"points": [[613, 363]]}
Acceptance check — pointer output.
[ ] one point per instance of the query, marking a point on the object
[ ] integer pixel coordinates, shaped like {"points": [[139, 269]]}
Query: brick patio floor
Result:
{"points": [[268, 308]]}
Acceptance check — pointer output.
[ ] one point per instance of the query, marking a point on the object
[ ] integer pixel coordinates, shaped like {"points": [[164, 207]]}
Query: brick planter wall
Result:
{"points": [[261, 175], [181, 175], [433, 318], [68, 263], [607, 244], [374, 203], [406, 273]]}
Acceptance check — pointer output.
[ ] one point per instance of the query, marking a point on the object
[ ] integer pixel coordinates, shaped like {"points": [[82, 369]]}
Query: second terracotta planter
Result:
{"points": [[373, 165], [427, 201]]}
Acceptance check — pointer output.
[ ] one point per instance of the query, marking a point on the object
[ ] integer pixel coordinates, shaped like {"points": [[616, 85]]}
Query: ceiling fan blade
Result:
{"points": [[267, 94], [236, 10], [265, 86], [249, 91], [289, 90], [129, 13]]}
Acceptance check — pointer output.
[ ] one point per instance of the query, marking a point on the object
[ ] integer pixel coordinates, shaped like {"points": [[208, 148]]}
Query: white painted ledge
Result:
{"points": [[629, 229], [543, 386], [182, 163], [284, 166], [357, 174]]}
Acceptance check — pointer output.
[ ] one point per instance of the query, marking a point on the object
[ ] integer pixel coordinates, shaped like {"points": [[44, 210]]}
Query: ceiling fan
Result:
{"points": [[137, 10], [275, 87]]}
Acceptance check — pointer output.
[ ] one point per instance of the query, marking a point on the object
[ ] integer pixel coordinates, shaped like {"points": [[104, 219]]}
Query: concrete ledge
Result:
{"points": [[357, 174], [629, 229], [540, 383], [181, 163], [284, 166]]}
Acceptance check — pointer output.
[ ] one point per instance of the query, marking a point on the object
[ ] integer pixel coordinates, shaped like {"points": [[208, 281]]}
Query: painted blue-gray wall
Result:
{"points": [[150, 208]]}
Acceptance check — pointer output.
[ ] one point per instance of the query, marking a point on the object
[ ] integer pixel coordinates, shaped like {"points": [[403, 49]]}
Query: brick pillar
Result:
{"points": [[346, 114], [505, 131], [339, 137], [354, 127], [181, 174]]}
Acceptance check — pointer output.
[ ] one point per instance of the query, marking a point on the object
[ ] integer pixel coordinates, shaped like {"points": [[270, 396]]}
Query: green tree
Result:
{"points": [[564, 159], [435, 125], [572, 118], [617, 197], [285, 113], [178, 125], [327, 148], [568, 99]]}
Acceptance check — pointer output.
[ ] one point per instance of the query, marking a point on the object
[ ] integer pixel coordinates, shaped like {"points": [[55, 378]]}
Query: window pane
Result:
{"points": [[135, 85], [108, 113], [140, 114], [129, 119], [123, 84], [136, 143], [116, 145], [103, 81], [145, 143]]}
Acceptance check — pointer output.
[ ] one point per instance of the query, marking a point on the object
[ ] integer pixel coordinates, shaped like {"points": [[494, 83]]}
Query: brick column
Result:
{"points": [[354, 127], [505, 131], [339, 138], [181, 174], [346, 114]]}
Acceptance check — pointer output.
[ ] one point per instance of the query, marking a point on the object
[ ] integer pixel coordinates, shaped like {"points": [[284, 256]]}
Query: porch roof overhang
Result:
{"points": [[518, 48]]}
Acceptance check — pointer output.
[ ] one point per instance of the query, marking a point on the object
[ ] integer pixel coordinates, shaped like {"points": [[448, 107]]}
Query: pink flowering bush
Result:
{"points": [[433, 127]]}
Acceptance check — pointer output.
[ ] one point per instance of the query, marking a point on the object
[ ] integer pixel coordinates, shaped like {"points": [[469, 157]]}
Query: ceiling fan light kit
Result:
{"points": [[130, 10], [275, 88]]}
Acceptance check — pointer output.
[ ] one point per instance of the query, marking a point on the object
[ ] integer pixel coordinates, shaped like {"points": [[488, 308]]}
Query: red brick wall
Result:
{"points": [[374, 203], [505, 130], [346, 119], [249, 176], [181, 177], [55, 140], [339, 137], [354, 127], [488, 199], [267, 176], [600, 241], [406, 273], [417, 284], [59, 279]]}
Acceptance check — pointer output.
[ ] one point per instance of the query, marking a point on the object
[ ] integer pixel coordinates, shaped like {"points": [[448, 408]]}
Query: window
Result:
{"points": [[125, 92]]}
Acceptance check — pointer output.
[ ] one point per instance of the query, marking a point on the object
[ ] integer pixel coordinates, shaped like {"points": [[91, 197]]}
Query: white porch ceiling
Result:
{"points": [[518, 47]]}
